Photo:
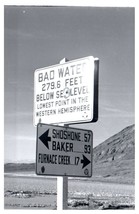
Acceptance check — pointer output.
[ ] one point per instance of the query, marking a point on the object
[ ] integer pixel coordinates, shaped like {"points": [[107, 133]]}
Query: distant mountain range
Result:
{"points": [[113, 160]]}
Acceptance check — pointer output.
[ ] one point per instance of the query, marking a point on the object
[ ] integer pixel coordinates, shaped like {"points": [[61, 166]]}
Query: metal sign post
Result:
{"points": [[62, 193], [61, 150], [62, 183], [65, 189], [65, 192]]}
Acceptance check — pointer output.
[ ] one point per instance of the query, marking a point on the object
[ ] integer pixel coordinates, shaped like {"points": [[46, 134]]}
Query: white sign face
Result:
{"points": [[63, 151], [64, 93]]}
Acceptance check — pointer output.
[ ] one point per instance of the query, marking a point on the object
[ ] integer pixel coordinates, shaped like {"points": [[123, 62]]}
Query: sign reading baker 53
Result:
{"points": [[67, 93]]}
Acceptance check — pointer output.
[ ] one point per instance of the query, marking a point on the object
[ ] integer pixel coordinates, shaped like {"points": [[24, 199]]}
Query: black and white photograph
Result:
{"points": [[69, 107]]}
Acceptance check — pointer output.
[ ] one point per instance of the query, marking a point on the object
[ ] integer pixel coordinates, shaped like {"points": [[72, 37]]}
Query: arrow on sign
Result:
{"points": [[85, 161], [44, 138]]}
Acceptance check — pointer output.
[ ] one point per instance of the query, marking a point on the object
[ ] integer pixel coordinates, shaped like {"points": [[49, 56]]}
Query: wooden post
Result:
{"points": [[62, 182]]}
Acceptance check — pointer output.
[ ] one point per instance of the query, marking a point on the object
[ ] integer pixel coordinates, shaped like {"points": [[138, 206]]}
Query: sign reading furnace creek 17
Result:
{"points": [[67, 93], [63, 151]]}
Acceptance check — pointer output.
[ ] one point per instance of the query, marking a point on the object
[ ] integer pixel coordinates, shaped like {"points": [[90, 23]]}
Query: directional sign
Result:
{"points": [[63, 151], [67, 93]]}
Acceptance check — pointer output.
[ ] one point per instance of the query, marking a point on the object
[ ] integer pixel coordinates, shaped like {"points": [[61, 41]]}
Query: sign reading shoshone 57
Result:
{"points": [[67, 93]]}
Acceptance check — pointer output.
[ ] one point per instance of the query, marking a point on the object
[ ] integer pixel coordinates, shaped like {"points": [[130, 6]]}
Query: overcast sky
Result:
{"points": [[37, 37]]}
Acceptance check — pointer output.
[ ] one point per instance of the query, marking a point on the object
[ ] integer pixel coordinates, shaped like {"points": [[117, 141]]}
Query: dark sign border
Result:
{"points": [[39, 124]]}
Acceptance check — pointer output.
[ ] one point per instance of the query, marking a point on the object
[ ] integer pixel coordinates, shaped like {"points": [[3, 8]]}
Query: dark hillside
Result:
{"points": [[114, 158]]}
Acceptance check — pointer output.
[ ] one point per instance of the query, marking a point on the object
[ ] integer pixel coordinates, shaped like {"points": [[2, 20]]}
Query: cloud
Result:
{"points": [[19, 33], [21, 85], [23, 138], [19, 114], [19, 138], [110, 111]]}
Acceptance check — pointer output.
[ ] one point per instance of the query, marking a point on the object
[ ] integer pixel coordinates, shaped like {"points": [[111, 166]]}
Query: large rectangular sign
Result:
{"points": [[63, 151], [67, 93]]}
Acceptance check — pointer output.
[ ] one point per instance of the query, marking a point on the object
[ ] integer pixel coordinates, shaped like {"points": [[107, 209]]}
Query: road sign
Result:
{"points": [[67, 93], [63, 151]]}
